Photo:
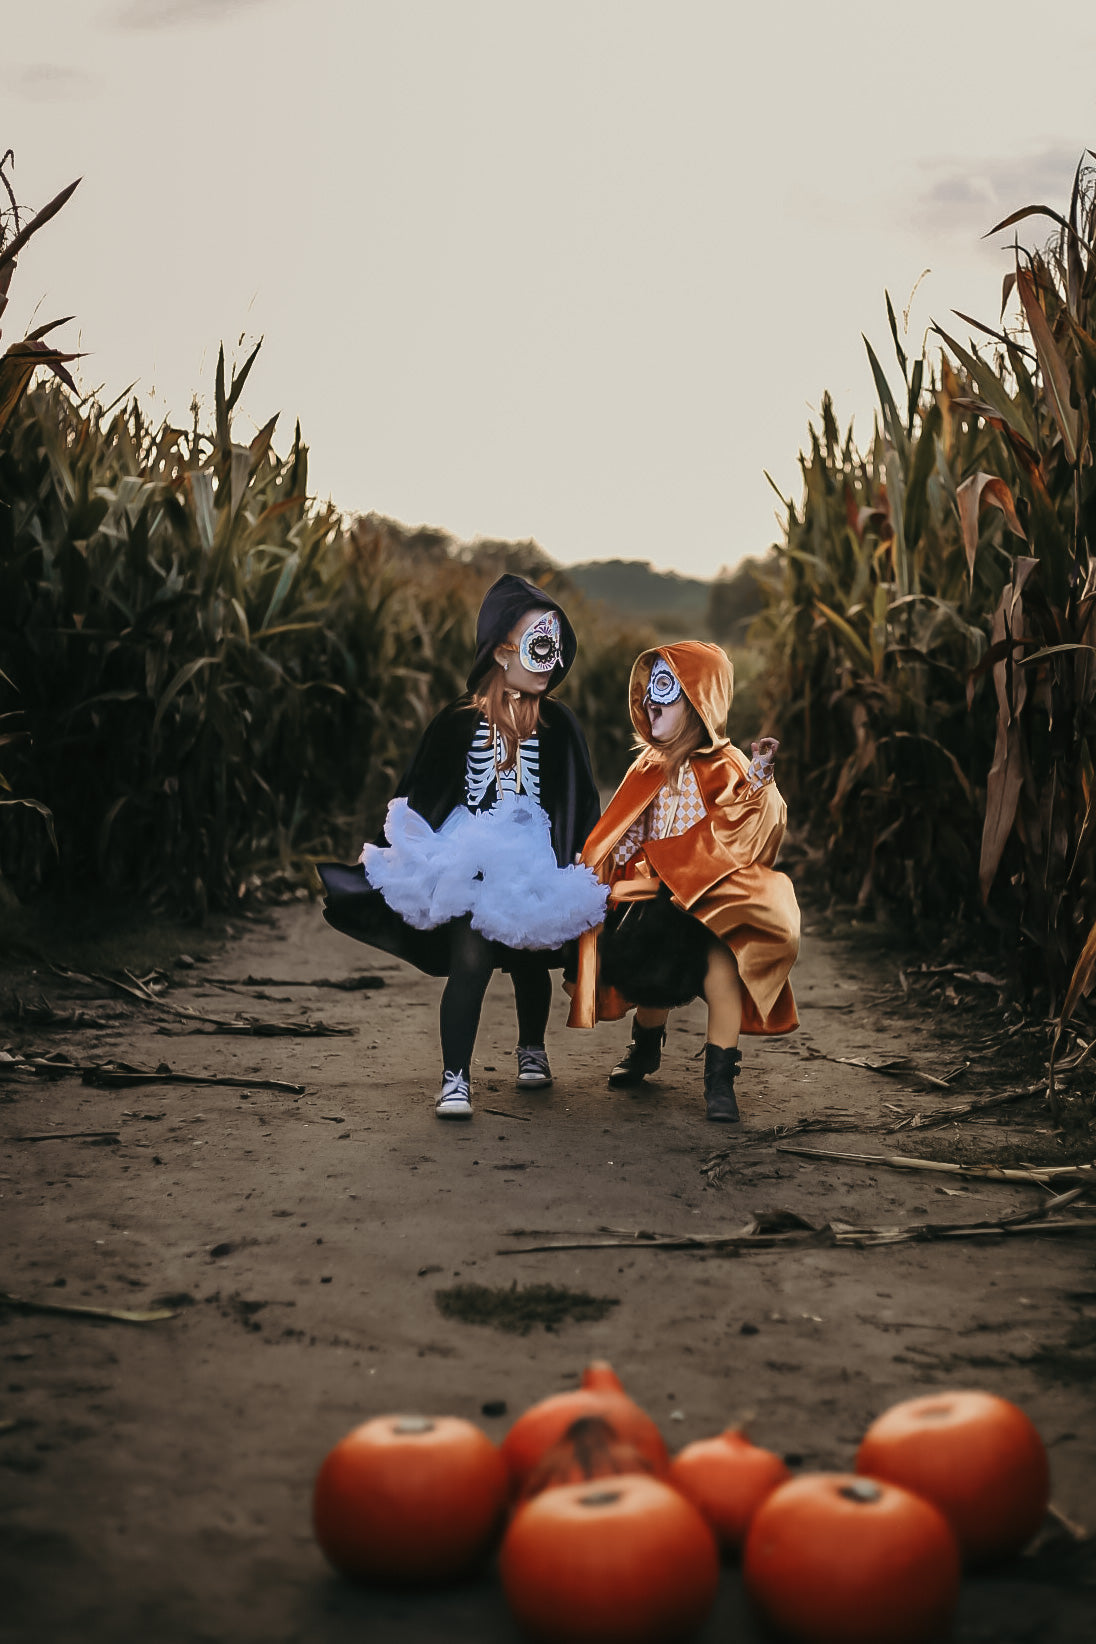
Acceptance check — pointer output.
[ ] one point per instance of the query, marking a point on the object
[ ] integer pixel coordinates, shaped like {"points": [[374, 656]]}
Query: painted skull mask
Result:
{"points": [[663, 687], [540, 646]]}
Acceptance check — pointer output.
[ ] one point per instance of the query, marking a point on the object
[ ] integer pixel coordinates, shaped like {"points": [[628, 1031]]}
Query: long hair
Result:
{"points": [[513, 715], [672, 756]]}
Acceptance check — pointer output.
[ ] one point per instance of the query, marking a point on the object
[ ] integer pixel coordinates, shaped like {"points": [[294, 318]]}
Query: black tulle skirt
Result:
{"points": [[654, 953]]}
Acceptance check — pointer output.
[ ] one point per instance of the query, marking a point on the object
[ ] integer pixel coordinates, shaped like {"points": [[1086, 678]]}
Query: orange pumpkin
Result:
{"points": [[409, 1498], [600, 1394], [832, 1558], [589, 1449], [728, 1478], [976, 1456], [627, 1561]]}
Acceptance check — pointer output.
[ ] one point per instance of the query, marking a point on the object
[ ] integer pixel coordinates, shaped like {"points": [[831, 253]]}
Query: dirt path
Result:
{"points": [[155, 1479]]}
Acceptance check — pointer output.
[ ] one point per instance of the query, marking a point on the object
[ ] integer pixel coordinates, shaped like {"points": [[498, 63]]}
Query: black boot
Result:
{"points": [[720, 1069], [643, 1056]]}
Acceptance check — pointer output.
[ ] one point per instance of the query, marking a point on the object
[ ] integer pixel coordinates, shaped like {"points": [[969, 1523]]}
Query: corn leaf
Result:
{"points": [[1053, 650], [973, 495], [1003, 787], [43, 811], [200, 485], [40, 219], [847, 631], [992, 389], [1055, 369], [1024, 212], [185, 674], [1079, 984], [892, 422]]}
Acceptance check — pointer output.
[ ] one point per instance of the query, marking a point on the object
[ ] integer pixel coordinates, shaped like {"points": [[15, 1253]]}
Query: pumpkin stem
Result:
{"points": [[413, 1424], [740, 1427], [599, 1376], [861, 1489], [600, 1498]]}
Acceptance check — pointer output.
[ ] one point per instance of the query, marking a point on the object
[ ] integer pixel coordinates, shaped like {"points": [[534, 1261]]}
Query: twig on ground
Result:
{"points": [[1076, 1532], [756, 1235], [963, 1110], [134, 988], [1082, 1054], [1085, 1173], [64, 1135], [716, 1167], [42, 1014], [843, 1120], [345, 984], [123, 1315], [894, 1067], [115, 1075], [245, 1026], [120, 1075]]}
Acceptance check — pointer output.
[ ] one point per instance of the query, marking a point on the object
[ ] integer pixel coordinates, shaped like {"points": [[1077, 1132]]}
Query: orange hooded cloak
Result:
{"points": [[720, 870]]}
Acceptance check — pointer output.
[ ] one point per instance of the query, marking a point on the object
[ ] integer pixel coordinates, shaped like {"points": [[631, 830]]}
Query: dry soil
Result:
{"points": [[155, 1477]]}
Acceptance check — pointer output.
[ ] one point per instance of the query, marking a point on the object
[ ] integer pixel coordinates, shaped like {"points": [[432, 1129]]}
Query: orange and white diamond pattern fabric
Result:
{"points": [[629, 843], [675, 813], [670, 813]]}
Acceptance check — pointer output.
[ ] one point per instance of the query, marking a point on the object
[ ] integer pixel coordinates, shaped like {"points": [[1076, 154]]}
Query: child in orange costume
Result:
{"points": [[687, 845]]}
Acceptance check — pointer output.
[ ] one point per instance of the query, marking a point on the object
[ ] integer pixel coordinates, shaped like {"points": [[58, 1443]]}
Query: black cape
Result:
{"points": [[433, 785]]}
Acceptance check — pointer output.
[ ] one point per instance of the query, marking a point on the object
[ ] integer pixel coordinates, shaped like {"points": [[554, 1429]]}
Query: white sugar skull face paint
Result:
{"points": [[663, 687], [540, 648]]}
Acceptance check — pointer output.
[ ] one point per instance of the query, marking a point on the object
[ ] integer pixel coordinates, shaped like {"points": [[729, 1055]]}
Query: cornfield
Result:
{"points": [[217, 679], [206, 678], [929, 625]]}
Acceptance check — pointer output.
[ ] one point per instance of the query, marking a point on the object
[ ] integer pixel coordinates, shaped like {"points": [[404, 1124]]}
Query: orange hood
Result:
{"points": [[707, 678]]}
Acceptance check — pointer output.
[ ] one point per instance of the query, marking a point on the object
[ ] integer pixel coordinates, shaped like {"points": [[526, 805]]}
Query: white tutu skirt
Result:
{"points": [[497, 865]]}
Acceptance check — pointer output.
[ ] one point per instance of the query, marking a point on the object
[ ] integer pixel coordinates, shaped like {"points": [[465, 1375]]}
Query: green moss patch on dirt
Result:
{"points": [[517, 1309]]}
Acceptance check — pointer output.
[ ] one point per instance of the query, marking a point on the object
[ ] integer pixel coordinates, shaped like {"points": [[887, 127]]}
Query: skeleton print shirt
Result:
{"points": [[484, 783]]}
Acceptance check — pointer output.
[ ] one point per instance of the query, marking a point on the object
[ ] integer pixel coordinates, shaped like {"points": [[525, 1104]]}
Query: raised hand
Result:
{"points": [[761, 771]]}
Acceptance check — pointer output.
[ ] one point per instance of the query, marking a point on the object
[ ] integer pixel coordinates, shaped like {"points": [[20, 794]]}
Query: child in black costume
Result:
{"points": [[476, 868]]}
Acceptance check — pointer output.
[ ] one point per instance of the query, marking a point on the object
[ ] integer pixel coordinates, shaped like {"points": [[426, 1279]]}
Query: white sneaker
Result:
{"points": [[533, 1070], [455, 1100]]}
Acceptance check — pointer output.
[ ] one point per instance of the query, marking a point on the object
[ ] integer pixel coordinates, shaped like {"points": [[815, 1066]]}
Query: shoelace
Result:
{"points": [[454, 1084], [532, 1061]]}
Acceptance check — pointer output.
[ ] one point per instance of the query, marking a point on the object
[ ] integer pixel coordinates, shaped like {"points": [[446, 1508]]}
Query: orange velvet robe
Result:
{"points": [[720, 870]]}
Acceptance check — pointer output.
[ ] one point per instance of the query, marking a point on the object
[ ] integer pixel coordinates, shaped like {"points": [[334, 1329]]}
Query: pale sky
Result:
{"points": [[577, 270]]}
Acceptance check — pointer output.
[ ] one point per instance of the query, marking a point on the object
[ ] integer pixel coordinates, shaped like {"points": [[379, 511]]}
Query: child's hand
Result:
{"points": [[761, 771]]}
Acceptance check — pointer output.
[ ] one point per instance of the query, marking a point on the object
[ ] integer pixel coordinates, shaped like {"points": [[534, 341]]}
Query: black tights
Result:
{"points": [[472, 958]]}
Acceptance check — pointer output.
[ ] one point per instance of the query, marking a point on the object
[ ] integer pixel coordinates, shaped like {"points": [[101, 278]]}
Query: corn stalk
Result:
{"points": [[931, 622], [219, 678], [18, 364]]}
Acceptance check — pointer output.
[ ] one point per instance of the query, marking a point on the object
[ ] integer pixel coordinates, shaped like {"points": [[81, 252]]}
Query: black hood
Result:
{"points": [[504, 603]]}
